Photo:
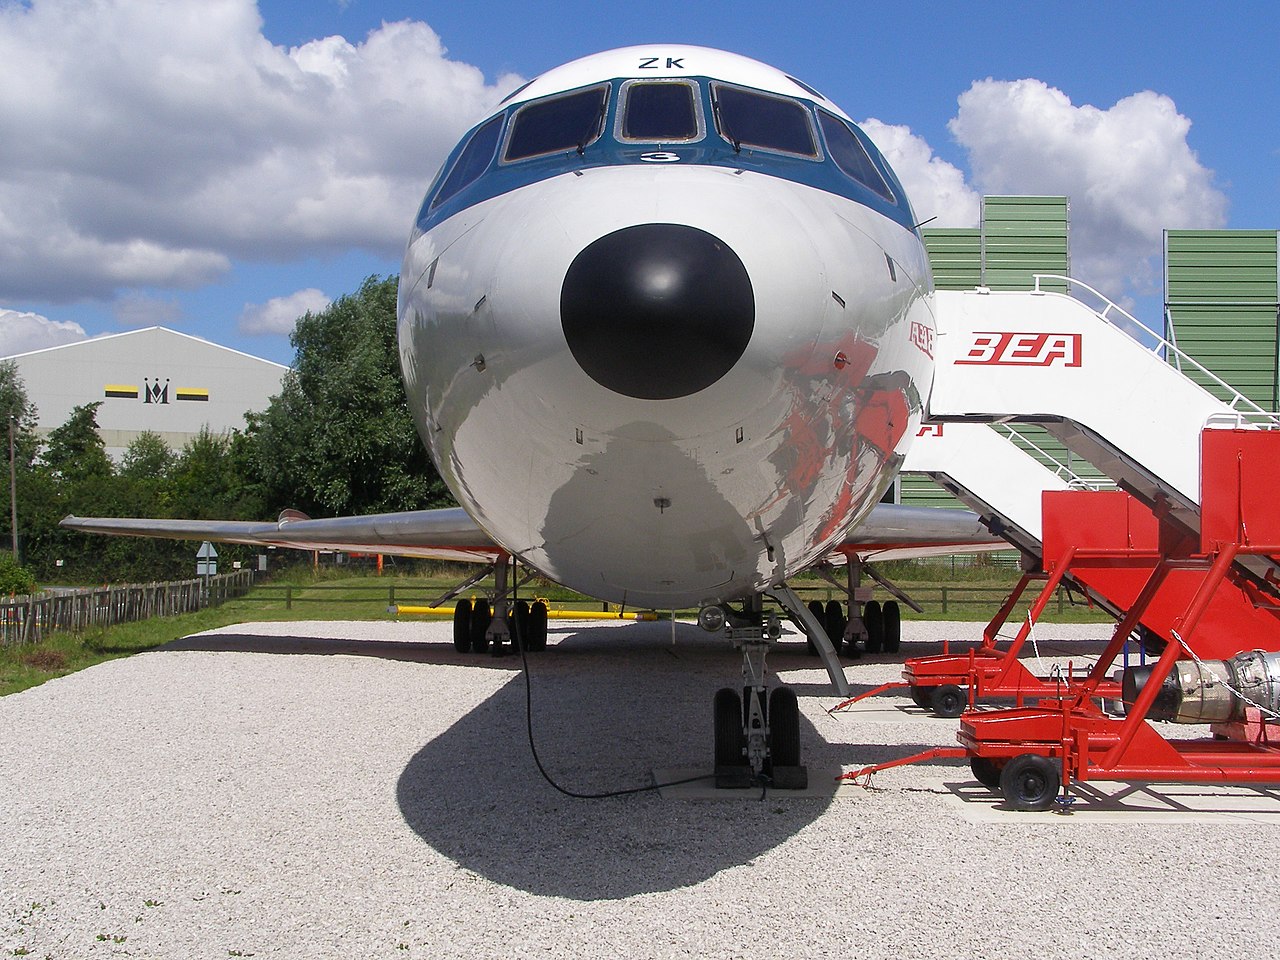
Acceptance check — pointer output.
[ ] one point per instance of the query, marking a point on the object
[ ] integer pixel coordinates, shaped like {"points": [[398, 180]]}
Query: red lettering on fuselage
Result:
{"points": [[922, 337]]}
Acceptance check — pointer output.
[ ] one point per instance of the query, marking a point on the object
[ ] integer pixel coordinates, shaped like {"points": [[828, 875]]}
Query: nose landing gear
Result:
{"points": [[757, 731]]}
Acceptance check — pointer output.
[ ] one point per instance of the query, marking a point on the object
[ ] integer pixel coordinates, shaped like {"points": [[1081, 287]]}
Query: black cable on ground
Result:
{"points": [[533, 748]]}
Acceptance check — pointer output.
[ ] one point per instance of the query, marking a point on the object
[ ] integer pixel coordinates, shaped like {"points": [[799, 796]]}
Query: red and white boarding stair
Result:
{"points": [[1185, 548]]}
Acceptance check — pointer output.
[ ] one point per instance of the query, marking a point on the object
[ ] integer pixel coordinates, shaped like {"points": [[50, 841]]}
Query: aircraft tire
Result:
{"points": [[730, 741], [520, 625], [873, 620], [834, 621], [784, 727], [819, 614], [480, 617], [462, 626], [538, 626], [892, 615]]}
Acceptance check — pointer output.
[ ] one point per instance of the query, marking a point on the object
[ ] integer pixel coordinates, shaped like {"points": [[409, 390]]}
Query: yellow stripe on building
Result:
{"points": [[192, 393], [121, 390]]}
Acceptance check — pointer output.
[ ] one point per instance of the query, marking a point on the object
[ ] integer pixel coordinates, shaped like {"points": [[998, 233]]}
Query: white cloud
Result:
{"points": [[279, 314], [934, 187], [1128, 170], [24, 332], [149, 144], [140, 310]]}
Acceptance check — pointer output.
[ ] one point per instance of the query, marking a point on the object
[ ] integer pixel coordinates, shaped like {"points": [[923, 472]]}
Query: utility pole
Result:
{"points": [[13, 493]]}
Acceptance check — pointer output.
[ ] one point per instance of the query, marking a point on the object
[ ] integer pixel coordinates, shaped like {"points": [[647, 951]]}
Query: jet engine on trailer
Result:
{"points": [[1212, 691]]}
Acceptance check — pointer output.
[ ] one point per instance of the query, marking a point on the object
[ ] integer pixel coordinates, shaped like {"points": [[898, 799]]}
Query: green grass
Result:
{"points": [[305, 596]]}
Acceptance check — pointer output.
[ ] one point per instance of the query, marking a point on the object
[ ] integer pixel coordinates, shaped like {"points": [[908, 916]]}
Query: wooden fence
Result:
{"points": [[29, 619], [970, 602]]}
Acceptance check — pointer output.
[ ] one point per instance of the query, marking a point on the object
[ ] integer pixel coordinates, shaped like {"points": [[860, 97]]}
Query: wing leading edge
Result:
{"points": [[446, 534]]}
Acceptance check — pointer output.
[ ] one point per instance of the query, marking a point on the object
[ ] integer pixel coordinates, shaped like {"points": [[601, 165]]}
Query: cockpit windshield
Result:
{"points": [[473, 161], [851, 156], [662, 111], [749, 119], [557, 125]]}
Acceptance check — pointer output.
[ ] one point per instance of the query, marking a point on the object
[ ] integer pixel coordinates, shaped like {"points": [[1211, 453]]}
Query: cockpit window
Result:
{"points": [[749, 119], [473, 161], [659, 111], [557, 124], [851, 156]]}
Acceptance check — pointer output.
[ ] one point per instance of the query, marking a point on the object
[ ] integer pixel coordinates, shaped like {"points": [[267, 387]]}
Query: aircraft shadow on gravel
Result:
{"points": [[475, 795]]}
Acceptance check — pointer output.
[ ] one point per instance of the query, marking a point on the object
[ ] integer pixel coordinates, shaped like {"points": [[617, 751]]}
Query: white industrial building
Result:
{"points": [[150, 379]]}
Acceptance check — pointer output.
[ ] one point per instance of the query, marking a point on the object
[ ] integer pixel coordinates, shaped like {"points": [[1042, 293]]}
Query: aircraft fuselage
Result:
{"points": [[665, 325]]}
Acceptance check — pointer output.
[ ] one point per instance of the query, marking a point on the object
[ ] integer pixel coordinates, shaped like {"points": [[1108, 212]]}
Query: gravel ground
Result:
{"points": [[321, 790]]}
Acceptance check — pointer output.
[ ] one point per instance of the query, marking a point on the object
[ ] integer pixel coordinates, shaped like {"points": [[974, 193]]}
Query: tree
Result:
{"points": [[13, 578], [75, 451], [15, 404], [339, 438], [206, 484], [17, 409], [147, 458]]}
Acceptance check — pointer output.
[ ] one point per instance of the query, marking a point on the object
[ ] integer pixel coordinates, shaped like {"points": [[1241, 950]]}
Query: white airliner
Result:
{"points": [[666, 327]]}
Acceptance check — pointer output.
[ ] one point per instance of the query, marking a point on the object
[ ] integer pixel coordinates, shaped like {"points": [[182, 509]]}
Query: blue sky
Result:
{"points": [[194, 165]]}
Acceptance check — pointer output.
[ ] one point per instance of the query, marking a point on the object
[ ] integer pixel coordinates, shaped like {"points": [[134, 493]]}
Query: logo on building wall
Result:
{"points": [[1024, 349], [154, 392]]}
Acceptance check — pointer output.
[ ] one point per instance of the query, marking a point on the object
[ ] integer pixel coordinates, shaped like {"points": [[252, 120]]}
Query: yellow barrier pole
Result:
{"points": [[411, 610]]}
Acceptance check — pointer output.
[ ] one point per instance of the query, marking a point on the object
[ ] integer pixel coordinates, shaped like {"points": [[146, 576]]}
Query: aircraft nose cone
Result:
{"points": [[657, 311]]}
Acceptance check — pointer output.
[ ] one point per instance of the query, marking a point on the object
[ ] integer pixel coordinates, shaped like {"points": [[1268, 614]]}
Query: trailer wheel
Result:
{"points": [[919, 696], [986, 771], [462, 626], [1030, 782], [948, 701]]}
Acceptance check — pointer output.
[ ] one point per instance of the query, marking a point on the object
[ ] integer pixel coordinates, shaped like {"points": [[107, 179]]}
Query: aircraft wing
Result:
{"points": [[890, 532], [896, 532], [445, 534]]}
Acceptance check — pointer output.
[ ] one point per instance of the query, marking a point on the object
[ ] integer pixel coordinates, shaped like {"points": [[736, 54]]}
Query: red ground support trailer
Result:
{"points": [[948, 682], [1222, 621]]}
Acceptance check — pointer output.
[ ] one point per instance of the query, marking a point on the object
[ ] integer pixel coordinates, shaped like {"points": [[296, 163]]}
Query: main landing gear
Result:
{"points": [[479, 627], [474, 628], [878, 629]]}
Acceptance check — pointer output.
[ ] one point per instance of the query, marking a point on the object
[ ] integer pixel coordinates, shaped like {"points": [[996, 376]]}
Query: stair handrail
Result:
{"points": [[1061, 470], [1161, 343]]}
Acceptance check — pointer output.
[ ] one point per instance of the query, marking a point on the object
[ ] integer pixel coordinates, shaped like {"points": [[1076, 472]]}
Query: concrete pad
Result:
{"points": [[1127, 803], [823, 785]]}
